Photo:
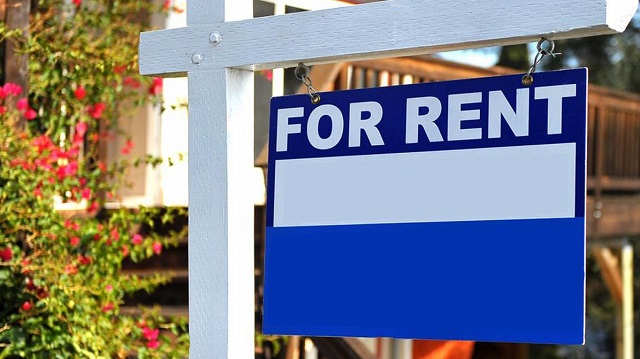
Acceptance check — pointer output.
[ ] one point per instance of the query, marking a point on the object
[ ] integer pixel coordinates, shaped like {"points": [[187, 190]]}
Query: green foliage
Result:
{"points": [[61, 283], [515, 57], [612, 60], [275, 342]]}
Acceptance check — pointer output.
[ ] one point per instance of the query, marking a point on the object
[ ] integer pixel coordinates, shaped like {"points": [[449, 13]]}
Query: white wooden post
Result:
{"points": [[277, 79], [221, 295], [221, 109]]}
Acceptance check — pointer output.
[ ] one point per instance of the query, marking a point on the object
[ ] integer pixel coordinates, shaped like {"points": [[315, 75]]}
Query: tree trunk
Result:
{"points": [[16, 15]]}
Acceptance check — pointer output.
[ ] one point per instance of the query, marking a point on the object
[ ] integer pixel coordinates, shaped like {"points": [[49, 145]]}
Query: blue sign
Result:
{"points": [[450, 210]]}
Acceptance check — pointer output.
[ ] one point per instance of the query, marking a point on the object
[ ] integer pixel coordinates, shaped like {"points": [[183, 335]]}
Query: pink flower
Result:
{"points": [[43, 164], [108, 288], [70, 269], [37, 192], [114, 234], [157, 247], [131, 82], [74, 241], [6, 254], [68, 224], [43, 143], [80, 92], [167, 5], [3, 109], [77, 140], [77, 2], [67, 171], [85, 193], [93, 207], [137, 239], [81, 128], [26, 306], [84, 260], [22, 104], [102, 166], [12, 89], [153, 344], [268, 74], [108, 307], [31, 114], [96, 110], [150, 334], [127, 147], [156, 87], [125, 251]]}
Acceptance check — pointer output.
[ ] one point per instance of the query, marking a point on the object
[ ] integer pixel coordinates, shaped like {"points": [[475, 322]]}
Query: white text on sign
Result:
{"points": [[422, 113]]}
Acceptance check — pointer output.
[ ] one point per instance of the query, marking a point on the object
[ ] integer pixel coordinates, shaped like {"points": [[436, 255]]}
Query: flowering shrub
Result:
{"points": [[61, 283]]}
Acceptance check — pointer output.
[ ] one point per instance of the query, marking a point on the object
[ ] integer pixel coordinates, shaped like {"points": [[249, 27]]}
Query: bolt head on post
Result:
{"points": [[214, 38], [197, 58]]}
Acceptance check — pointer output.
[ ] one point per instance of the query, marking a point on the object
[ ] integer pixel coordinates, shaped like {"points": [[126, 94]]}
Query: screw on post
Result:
{"points": [[545, 47], [302, 74]]}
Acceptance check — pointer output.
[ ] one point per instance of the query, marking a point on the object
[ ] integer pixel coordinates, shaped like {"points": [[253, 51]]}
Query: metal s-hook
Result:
{"points": [[542, 52], [302, 74]]}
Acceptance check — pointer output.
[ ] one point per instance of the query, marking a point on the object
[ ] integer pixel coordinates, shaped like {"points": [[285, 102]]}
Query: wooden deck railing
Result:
{"points": [[613, 157]]}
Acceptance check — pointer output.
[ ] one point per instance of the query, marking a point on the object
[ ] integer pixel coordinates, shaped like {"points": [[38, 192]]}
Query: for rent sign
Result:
{"points": [[451, 210]]}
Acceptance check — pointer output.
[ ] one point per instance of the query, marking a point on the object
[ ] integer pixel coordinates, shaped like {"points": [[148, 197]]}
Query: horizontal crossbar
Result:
{"points": [[389, 28]]}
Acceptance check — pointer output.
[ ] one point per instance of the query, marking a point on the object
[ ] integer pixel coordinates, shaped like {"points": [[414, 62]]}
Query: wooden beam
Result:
{"points": [[383, 29], [619, 216], [607, 183], [610, 269]]}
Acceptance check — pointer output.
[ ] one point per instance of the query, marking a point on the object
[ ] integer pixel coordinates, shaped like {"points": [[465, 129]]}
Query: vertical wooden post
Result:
{"points": [[221, 304], [403, 348], [600, 127], [16, 15]]}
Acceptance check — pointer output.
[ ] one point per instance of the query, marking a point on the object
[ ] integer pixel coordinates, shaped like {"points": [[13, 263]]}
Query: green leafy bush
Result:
{"points": [[61, 278]]}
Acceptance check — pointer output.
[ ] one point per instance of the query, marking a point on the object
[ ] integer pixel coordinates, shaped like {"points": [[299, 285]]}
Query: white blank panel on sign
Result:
{"points": [[474, 184]]}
